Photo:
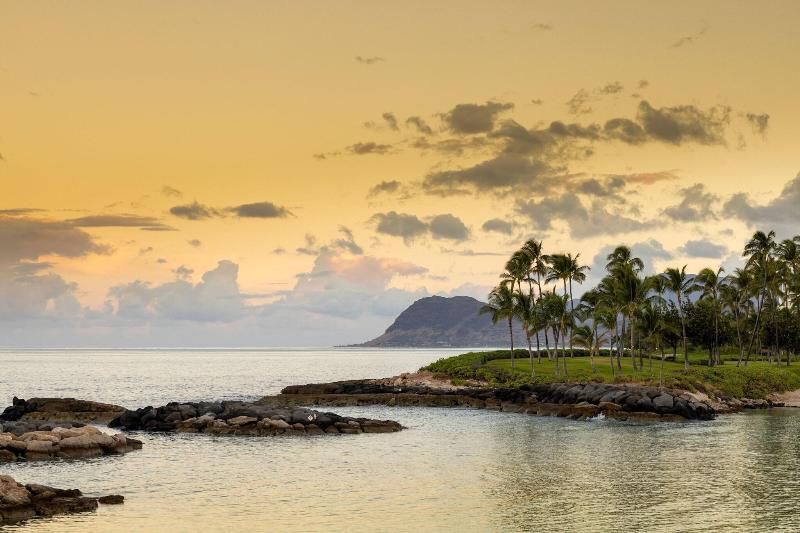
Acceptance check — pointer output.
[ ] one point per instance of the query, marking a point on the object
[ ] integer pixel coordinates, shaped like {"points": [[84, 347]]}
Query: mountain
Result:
{"points": [[436, 321]]}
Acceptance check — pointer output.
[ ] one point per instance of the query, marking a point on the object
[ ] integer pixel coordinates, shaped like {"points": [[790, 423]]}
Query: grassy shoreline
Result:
{"points": [[757, 380]]}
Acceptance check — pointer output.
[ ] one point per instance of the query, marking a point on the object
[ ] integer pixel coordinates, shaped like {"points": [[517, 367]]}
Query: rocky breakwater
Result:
{"points": [[22, 502], [243, 418], [24, 441], [573, 400], [60, 410]]}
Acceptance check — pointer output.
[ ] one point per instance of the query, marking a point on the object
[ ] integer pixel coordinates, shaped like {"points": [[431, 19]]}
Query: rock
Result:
{"points": [[242, 420], [663, 402], [111, 499], [20, 502]]}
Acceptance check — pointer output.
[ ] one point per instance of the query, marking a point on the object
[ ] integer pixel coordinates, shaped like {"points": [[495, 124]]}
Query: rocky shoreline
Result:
{"points": [[571, 400], [51, 410], [22, 502], [244, 418]]}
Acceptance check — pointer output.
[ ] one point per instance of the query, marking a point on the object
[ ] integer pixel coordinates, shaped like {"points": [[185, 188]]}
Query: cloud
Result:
{"points": [[537, 101], [183, 272], [502, 174], [703, 248], [195, 242], [310, 247], [26, 295], [583, 222], [146, 250], [194, 211], [29, 239], [409, 227], [783, 209], [365, 148], [602, 187], [369, 60], [198, 211], [260, 210], [19, 211], [541, 27], [384, 187], [579, 103], [120, 221], [166, 190], [471, 253], [614, 87], [625, 130], [344, 243], [419, 124], [696, 204], [759, 122], [690, 39], [650, 252], [646, 178], [466, 119], [448, 227], [498, 225], [686, 123], [391, 121], [214, 299]]}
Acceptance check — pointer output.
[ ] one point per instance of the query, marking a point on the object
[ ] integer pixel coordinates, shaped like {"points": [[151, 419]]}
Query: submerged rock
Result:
{"points": [[573, 400], [244, 418], [60, 410], [22, 502]]}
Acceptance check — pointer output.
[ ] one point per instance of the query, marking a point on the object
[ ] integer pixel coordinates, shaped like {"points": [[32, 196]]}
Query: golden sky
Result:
{"points": [[669, 126]]}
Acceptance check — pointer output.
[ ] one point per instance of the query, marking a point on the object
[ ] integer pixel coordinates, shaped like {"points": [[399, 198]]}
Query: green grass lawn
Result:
{"points": [[756, 380]]}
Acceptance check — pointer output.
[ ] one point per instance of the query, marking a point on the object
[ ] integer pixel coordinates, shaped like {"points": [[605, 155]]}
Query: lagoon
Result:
{"points": [[451, 470]]}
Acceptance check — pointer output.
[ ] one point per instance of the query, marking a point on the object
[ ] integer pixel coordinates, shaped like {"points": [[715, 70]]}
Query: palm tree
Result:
{"points": [[677, 282], [500, 306], [527, 312], [555, 310], [710, 283], [736, 298], [758, 250], [577, 273]]}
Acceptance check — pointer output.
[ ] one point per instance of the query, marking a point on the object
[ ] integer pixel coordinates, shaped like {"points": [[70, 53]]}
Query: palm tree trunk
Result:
{"points": [[572, 318], [530, 351], [511, 335], [683, 330], [738, 335]]}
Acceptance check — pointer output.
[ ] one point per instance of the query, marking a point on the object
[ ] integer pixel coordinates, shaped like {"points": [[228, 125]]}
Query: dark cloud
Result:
{"points": [[625, 130], [498, 225], [614, 87], [194, 211], [503, 174], [447, 226], [690, 39], [420, 125], [759, 122], [686, 123], [19, 211], [602, 187], [579, 103], [537, 101], [166, 190], [703, 248], [195, 242], [384, 187], [347, 242], [183, 272], [260, 210], [279, 250], [466, 119], [453, 146], [146, 250], [643, 84], [370, 60], [29, 239], [696, 204], [120, 221], [391, 121], [198, 211], [369, 148], [403, 225], [782, 209], [310, 247], [645, 178], [541, 27]]}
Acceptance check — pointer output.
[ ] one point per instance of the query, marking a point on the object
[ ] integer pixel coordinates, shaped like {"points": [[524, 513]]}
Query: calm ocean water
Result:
{"points": [[452, 470]]}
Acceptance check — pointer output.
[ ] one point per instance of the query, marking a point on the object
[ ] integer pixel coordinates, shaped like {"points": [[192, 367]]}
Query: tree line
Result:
{"points": [[755, 308]]}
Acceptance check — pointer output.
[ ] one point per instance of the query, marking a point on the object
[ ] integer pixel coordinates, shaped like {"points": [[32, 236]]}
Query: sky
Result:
{"points": [[297, 173]]}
